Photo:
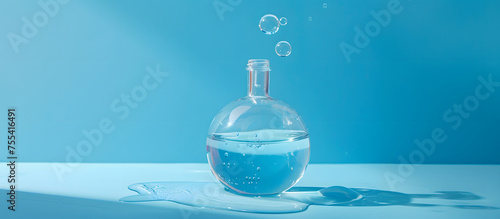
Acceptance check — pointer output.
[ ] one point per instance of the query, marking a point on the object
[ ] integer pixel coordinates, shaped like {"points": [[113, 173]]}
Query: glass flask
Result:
{"points": [[258, 145]]}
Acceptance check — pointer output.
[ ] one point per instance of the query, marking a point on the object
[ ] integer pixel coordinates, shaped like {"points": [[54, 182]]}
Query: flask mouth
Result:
{"points": [[258, 64]]}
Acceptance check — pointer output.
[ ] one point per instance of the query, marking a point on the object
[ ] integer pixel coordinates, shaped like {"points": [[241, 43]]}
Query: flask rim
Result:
{"points": [[258, 64]]}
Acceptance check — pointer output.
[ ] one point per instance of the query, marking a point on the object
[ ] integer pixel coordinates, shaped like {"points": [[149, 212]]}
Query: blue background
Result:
{"points": [[369, 110]]}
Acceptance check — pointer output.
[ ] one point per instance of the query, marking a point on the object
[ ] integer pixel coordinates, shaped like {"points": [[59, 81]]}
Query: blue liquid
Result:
{"points": [[260, 162]]}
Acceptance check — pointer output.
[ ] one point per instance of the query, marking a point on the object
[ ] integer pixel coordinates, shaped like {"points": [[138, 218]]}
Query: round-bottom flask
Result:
{"points": [[258, 145]]}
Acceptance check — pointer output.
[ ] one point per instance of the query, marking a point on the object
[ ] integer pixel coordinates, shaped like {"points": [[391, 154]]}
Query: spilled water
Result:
{"points": [[215, 195]]}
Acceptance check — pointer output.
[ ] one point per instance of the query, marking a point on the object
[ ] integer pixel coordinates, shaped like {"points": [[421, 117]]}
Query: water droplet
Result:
{"points": [[283, 21], [269, 24], [325, 5], [283, 48], [256, 135], [226, 154], [310, 18], [291, 169], [258, 169], [224, 164], [237, 134], [243, 155]]}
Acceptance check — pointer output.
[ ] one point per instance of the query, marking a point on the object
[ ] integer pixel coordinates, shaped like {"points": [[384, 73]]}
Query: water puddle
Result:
{"points": [[215, 195]]}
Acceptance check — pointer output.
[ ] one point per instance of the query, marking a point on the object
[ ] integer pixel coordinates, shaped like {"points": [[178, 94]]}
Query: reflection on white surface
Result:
{"points": [[93, 191]]}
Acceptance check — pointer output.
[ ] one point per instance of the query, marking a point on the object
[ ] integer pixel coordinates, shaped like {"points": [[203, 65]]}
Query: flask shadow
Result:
{"points": [[375, 197]]}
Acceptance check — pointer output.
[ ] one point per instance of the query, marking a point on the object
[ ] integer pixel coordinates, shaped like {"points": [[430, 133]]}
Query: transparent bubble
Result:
{"points": [[310, 18], [226, 154], [283, 21], [283, 48], [269, 24], [258, 168], [325, 5]]}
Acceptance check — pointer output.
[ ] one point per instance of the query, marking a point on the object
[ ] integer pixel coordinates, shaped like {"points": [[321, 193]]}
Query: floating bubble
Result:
{"points": [[226, 154], [269, 24], [325, 5], [310, 18], [283, 48], [283, 21]]}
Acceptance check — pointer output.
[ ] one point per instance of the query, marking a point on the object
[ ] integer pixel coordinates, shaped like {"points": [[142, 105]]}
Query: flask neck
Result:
{"points": [[258, 78], [258, 83]]}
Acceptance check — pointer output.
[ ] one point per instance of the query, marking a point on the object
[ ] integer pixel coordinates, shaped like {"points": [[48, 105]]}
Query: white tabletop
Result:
{"points": [[93, 191]]}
